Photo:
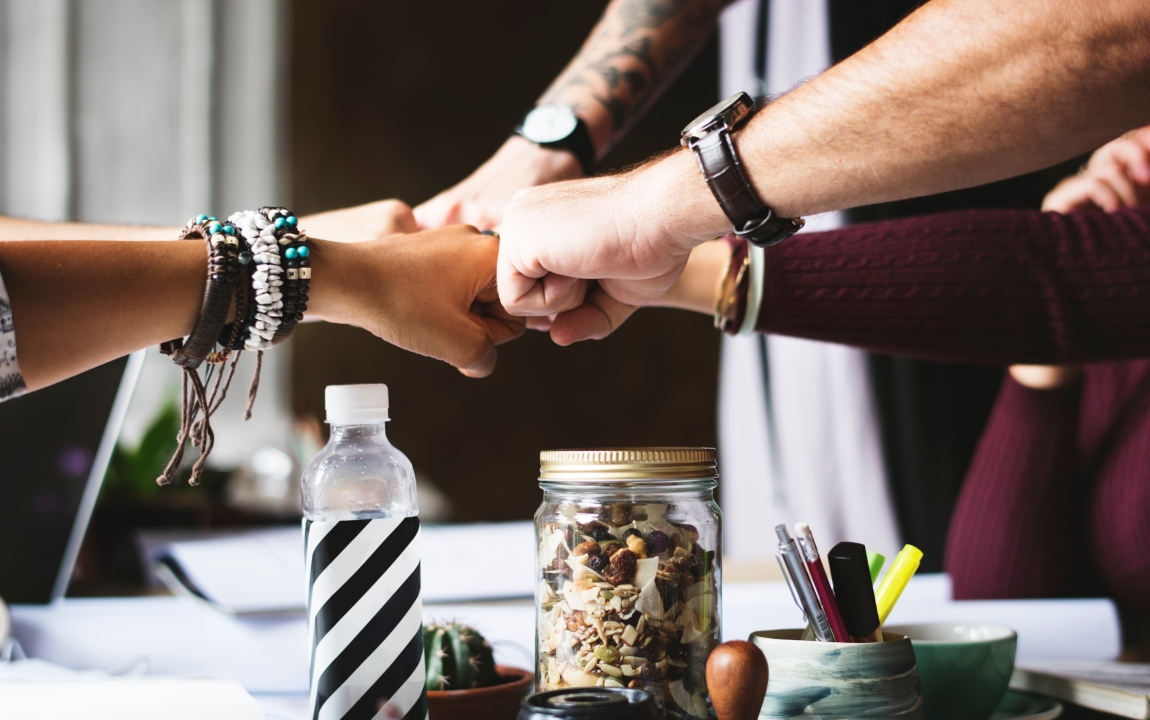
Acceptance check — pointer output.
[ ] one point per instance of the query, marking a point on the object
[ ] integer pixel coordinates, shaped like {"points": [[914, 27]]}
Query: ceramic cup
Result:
{"points": [[964, 668], [839, 681]]}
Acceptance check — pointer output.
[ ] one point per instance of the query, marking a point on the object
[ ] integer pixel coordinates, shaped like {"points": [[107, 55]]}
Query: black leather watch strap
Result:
{"points": [[752, 219]]}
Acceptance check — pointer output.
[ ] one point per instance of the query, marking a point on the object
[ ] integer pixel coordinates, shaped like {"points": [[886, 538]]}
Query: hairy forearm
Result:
{"points": [[636, 50], [962, 93]]}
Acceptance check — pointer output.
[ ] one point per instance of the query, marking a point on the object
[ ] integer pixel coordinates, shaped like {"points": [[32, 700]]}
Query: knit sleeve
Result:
{"points": [[11, 381], [988, 286]]}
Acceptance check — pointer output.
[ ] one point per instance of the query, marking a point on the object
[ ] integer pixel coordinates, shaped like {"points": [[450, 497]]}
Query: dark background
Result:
{"points": [[404, 99]]}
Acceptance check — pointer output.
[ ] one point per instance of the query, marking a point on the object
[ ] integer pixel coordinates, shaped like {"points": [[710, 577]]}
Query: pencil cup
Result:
{"points": [[839, 681]]}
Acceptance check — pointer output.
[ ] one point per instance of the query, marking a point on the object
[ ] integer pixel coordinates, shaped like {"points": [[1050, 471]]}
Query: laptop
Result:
{"points": [[55, 445]]}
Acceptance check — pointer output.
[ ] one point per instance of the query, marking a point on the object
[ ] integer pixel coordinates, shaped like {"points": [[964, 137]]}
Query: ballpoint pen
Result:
{"points": [[855, 592], [894, 582], [801, 584], [819, 579]]}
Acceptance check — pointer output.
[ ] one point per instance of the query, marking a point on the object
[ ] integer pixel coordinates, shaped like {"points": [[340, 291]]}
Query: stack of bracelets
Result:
{"points": [[259, 259]]}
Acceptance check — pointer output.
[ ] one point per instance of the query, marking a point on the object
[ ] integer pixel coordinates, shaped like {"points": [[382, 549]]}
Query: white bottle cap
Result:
{"points": [[348, 404]]}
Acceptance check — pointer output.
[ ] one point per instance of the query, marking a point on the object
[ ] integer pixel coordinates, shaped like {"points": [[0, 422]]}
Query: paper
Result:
{"points": [[141, 698], [263, 571]]}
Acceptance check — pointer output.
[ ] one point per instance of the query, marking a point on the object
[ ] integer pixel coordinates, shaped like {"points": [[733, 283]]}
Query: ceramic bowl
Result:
{"points": [[964, 667], [839, 681]]}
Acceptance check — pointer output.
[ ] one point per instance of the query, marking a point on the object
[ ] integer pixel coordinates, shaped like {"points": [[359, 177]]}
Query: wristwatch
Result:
{"points": [[710, 137], [557, 127]]}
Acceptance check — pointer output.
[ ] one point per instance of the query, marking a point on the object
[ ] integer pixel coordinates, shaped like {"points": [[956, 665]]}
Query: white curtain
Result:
{"points": [[138, 111], [816, 455]]}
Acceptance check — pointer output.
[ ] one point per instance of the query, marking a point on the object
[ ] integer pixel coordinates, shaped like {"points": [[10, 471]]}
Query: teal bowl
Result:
{"points": [[839, 681], [964, 667]]}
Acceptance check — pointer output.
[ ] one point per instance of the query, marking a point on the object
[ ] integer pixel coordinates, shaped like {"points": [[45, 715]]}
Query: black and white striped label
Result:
{"points": [[365, 619]]}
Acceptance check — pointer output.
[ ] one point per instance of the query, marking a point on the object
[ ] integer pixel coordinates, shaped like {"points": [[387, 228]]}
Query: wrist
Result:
{"points": [[333, 281], [672, 195], [549, 165]]}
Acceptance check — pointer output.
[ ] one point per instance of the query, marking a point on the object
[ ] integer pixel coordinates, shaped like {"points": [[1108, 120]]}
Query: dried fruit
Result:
{"points": [[590, 547], [658, 541], [611, 548], [597, 563], [631, 533], [621, 568], [619, 514], [637, 545], [600, 532]]}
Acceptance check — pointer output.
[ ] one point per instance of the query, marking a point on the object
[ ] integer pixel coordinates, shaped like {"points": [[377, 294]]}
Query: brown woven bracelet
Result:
{"points": [[196, 406], [223, 270]]}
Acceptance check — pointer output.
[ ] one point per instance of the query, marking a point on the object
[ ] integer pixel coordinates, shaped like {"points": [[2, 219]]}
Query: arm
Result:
{"points": [[78, 304], [962, 92], [633, 54], [355, 224], [995, 287]]}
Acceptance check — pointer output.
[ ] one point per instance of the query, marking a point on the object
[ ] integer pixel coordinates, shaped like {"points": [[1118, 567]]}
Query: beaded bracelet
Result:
{"points": [[223, 273], [267, 277]]}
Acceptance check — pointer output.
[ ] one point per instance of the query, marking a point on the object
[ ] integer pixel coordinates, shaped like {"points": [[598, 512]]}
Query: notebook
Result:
{"points": [[1110, 687]]}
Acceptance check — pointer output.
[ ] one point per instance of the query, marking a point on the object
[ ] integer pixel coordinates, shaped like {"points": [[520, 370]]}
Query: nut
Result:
{"points": [[591, 547], [636, 545], [621, 569], [575, 621]]}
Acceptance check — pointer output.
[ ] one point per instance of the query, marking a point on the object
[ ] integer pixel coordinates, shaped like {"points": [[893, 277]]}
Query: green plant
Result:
{"points": [[457, 657], [133, 471]]}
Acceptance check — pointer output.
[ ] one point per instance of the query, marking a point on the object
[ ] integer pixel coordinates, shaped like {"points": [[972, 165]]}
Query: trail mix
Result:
{"points": [[627, 600]]}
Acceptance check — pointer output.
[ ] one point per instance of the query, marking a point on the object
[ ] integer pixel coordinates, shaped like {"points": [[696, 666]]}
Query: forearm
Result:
{"points": [[637, 49], [77, 304], [994, 287], [962, 93], [13, 228]]}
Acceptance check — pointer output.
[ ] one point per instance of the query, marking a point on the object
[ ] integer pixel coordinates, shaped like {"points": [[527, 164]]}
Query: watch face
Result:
{"points": [[728, 113], [549, 123]]}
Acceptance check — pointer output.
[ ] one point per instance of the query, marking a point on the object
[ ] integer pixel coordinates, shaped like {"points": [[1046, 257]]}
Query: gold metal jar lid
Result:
{"points": [[627, 464]]}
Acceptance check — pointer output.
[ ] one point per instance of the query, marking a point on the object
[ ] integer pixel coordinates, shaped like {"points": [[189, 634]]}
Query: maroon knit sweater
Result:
{"points": [[1057, 498]]}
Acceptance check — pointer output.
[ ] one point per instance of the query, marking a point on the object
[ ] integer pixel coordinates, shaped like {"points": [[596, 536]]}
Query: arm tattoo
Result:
{"points": [[637, 48]]}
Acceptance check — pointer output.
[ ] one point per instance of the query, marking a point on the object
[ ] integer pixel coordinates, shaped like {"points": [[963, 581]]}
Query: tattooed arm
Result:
{"points": [[635, 51], [631, 57]]}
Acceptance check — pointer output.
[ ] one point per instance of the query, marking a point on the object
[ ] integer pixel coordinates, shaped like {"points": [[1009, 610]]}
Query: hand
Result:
{"points": [[363, 222], [432, 293], [631, 232], [480, 198], [1116, 176]]}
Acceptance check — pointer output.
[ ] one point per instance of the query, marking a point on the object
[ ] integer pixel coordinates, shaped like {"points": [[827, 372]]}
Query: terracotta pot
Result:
{"points": [[498, 702]]}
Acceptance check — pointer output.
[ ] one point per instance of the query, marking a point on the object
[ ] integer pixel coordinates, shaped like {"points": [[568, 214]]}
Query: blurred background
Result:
{"points": [[136, 111]]}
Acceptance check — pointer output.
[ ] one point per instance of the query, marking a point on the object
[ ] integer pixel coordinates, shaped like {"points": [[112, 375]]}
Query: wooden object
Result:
{"points": [[737, 680]]}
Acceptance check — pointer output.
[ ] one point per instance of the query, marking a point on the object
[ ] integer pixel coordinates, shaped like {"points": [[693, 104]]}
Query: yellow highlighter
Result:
{"points": [[895, 580]]}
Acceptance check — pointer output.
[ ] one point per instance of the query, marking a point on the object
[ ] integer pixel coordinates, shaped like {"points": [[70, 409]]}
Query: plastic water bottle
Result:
{"points": [[361, 539]]}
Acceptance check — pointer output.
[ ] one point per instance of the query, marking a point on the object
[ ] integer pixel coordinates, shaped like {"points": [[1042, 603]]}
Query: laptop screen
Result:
{"points": [[53, 453]]}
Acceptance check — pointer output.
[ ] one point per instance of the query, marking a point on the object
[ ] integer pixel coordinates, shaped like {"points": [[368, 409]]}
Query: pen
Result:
{"points": [[875, 561], [855, 592], [801, 584], [894, 582], [819, 579]]}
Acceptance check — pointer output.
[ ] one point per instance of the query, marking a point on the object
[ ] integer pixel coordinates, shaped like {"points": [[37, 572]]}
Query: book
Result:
{"points": [[1111, 687]]}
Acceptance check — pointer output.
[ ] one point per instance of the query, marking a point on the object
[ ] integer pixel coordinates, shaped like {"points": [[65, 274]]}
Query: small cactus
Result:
{"points": [[457, 657]]}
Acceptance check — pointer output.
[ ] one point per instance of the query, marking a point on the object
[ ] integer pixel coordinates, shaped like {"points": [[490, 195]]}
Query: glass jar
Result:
{"points": [[629, 562]]}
